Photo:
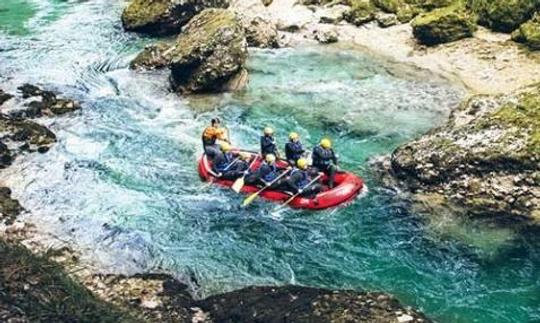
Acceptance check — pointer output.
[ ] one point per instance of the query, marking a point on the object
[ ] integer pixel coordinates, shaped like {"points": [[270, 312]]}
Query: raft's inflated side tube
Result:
{"points": [[348, 186]]}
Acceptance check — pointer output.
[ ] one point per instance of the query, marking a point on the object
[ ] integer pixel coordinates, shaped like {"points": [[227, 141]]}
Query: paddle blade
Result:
{"points": [[238, 185], [249, 199]]}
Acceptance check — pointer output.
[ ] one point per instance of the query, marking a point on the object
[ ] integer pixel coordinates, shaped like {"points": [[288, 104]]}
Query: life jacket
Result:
{"points": [[304, 180], [295, 150], [322, 157], [268, 145], [211, 134], [272, 174]]}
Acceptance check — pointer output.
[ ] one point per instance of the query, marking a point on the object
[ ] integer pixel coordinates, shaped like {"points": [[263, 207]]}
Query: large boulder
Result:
{"points": [[210, 54], [443, 25], [161, 17], [486, 158], [503, 15], [529, 33]]}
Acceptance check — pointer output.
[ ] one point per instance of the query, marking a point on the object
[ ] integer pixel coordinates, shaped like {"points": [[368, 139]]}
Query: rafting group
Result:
{"points": [[267, 173]]}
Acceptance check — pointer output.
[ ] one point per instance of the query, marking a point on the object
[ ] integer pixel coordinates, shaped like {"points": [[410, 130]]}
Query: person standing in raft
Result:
{"points": [[267, 173], [294, 149], [210, 137], [300, 177], [228, 164], [268, 143], [325, 160]]}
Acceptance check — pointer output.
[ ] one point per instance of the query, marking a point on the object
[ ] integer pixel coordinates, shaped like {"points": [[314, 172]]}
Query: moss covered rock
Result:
{"points": [[444, 25], [485, 158], [209, 54], [361, 12], [529, 33], [160, 17], [503, 15], [406, 10]]}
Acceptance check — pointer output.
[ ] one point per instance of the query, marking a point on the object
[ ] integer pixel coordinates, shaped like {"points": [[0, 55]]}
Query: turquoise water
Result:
{"points": [[122, 187]]}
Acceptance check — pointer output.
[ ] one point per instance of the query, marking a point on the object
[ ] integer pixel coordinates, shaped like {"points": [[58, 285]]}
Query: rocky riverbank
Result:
{"points": [[51, 287], [484, 160]]}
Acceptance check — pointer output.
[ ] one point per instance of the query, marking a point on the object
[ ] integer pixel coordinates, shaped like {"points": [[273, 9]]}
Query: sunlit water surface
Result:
{"points": [[121, 184]]}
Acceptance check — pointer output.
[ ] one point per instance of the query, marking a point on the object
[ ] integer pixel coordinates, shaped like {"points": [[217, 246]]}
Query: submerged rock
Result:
{"points": [[47, 103], [444, 25], [29, 132], [529, 33], [486, 158], [503, 15], [164, 16], [210, 54]]}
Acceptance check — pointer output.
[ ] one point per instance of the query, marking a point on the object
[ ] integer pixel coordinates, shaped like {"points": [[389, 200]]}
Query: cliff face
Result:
{"points": [[486, 158]]}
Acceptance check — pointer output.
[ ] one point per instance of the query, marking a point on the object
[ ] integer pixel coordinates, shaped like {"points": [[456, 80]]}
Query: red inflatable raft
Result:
{"points": [[347, 187]]}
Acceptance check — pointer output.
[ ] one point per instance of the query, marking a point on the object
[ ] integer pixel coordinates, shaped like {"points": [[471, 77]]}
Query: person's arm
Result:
{"points": [[334, 157]]}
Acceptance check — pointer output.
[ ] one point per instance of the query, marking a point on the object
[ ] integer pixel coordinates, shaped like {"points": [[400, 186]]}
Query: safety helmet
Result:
{"points": [[302, 163], [326, 143], [244, 155], [268, 131], [225, 147], [293, 136], [270, 158]]}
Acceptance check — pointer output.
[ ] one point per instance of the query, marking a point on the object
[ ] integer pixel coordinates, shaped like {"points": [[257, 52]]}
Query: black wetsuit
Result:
{"points": [[325, 160], [268, 146], [265, 175], [228, 165], [294, 151], [299, 179]]}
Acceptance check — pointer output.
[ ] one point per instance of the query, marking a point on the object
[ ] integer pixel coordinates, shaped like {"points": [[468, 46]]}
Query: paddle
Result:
{"points": [[253, 196], [295, 195], [239, 183]]}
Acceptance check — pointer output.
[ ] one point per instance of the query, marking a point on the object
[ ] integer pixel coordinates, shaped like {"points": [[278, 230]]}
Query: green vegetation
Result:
{"points": [[523, 114], [38, 289]]}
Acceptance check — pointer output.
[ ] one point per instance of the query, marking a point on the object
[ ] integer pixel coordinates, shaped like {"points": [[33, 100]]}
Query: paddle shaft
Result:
{"points": [[274, 181], [296, 195]]}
